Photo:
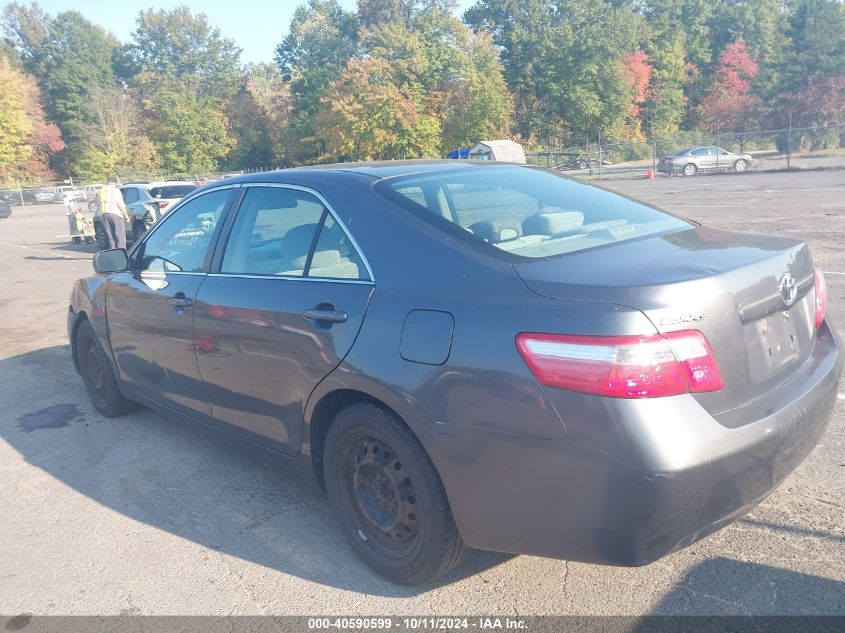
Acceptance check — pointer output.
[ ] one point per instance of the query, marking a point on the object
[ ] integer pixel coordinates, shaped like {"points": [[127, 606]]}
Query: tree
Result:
{"points": [[188, 130], [666, 101], [27, 141], [179, 45], [562, 62], [730, 102], [365, 115], [15, 126], [637, 73], [322, 38], [26, 30], [113, 140]]}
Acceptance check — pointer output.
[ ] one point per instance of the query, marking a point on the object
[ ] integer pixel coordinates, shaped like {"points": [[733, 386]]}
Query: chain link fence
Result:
{"points": [[790, 148]]}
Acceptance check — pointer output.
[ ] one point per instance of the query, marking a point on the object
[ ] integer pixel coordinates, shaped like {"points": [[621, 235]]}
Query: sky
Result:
{"points": [[257, 26]]}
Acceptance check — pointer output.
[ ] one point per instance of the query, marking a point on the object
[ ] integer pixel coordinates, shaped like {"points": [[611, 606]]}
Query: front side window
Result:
{"points": [[180, 243], [526, 212], [289, 232]]}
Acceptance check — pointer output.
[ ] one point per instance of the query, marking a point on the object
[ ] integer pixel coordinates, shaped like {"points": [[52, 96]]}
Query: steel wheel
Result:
{"points": [[388, 497], [740, 166], [98, 375], [690, 169]]}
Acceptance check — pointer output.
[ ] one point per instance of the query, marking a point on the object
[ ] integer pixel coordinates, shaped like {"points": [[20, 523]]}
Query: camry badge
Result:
{"points": [[788, 289], [682, 318]]}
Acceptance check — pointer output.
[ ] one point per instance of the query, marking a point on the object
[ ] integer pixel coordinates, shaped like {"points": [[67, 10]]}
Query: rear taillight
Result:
{"points": [[821, 296], [163, 205], [623, 366]]}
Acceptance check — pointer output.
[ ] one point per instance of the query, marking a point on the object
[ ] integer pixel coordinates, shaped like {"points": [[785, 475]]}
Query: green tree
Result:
{"points": [[176, 44], [562, 62], [188, 130], [321, 40]]}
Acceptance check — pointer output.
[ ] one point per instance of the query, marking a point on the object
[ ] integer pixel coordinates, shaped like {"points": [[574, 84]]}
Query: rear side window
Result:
{"points": [[171, 191], [289, 233], [526, 212], [130, 195]]}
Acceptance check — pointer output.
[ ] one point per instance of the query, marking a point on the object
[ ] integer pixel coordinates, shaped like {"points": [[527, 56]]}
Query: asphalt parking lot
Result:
{"points": [[142, 515]]}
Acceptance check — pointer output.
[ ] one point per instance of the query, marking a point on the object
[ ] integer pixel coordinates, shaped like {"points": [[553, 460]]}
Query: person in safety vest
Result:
{"points": [[114, 213]]}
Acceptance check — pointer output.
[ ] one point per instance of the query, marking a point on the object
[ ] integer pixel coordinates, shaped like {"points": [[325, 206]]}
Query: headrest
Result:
{"points": [[297, 242], [553, 220], [495, 231]]}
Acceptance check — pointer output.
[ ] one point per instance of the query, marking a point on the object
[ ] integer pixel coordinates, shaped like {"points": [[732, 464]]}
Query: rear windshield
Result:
{"points": [[171, 191], [525, 211]]}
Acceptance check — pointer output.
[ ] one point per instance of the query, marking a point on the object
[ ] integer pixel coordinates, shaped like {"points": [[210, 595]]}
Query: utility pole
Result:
{"points": [[789, 143], [718, 144], [600, 156]]}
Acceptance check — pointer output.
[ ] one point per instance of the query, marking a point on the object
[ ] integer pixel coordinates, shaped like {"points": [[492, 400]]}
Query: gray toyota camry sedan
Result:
{"points": [[469, 354]]}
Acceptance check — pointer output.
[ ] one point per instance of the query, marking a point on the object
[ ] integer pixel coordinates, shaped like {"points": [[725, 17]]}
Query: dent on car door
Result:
{"points": [[281, 312], [150, 307]]}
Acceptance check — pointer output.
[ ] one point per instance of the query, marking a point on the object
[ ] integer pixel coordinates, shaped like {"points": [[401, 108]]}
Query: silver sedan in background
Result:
{"points": [[691, 161]]}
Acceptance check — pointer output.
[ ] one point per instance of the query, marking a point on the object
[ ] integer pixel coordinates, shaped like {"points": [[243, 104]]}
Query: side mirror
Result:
{"points": [[114, 260]]}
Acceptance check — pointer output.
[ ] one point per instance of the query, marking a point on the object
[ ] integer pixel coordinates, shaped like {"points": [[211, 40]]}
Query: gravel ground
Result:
{"points": [[142, 515]]}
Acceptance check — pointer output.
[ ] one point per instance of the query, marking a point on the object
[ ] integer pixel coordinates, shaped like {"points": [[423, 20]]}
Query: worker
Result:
{"points": [[114, 213]]}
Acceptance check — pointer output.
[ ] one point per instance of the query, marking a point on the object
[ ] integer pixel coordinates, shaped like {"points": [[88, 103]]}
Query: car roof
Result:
{"points": [[376, 170], [170, 183]]}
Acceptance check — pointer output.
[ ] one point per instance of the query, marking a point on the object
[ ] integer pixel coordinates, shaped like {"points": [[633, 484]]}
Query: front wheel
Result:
{"points": [[740, 166], [97, 374], [93, 207], [690, 169], [388, 497]]}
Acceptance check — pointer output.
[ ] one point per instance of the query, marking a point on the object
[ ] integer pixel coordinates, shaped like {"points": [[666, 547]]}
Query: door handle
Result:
{"points": [[181, 301], [325, 315]]}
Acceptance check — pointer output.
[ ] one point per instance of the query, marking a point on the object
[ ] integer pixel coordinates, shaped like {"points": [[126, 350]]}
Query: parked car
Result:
{"points": [[691, 161], [76, 194], [91, 196], [168, 193], [145, 204], [473, 355]]}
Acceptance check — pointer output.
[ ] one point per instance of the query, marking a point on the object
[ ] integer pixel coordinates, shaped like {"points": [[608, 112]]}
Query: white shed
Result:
{"points": [[504, 150]]}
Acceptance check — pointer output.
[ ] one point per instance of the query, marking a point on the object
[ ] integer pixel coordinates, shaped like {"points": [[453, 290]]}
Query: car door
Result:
{"points": [[150, 308], [280, 311]]}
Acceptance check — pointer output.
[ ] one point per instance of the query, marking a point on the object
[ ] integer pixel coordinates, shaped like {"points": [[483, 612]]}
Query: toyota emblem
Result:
{"points": [[788, 289]]}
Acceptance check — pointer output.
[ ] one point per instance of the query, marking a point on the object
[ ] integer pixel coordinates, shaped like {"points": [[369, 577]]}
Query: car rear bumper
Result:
{"points": [[634, 479]]}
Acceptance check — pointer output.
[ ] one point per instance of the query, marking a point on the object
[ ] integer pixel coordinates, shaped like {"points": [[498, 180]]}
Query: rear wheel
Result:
{"points": [[93, 207], [100, 236], [388, 497], [582, 164], [138, 229], [740, 166], [97, 374], [690, 169]]}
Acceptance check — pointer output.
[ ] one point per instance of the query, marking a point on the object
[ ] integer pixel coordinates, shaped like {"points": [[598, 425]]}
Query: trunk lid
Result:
{"points": [[726, 284]]}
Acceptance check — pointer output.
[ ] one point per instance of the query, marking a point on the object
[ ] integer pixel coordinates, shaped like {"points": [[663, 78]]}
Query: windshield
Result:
{"points": [[171, 191], [527, 212]]}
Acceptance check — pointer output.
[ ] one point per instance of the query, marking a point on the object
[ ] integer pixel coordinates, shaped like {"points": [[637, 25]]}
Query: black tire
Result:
{"points": [[98, 376], [93, 206], [388, 497], [100, 236], [690, 169], [582, 164], [138, 229]]}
